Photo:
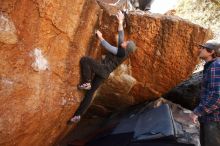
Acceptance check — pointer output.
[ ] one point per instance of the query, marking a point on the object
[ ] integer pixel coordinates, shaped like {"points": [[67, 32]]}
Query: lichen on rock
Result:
{"points": [[40, 63]]}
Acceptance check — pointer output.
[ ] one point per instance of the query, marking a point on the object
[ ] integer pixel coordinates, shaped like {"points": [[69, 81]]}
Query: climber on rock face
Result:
{"points": [[101, 69]]}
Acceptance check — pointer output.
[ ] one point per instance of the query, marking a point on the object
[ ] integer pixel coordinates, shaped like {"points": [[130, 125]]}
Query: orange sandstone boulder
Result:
{"points": [[166, 55], [41, 43]]}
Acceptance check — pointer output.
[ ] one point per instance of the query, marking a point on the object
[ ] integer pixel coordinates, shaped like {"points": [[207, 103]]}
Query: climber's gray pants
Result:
{"points": [[90, 66]]}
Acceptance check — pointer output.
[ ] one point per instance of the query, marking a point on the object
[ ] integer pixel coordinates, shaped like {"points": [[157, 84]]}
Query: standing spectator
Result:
{"points": [[208, 110]]}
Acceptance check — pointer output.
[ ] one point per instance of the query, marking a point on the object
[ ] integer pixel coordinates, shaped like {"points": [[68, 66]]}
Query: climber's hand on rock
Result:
{"points": [[99, 34], [120, 16]]}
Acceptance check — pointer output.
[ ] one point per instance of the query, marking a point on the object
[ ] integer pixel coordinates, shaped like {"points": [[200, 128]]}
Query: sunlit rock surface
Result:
{"points": [[40, 63], [166, 55], [40, 71]]}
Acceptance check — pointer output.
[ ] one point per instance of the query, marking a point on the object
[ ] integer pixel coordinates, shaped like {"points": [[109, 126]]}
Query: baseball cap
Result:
{"points": [[211, 44]]}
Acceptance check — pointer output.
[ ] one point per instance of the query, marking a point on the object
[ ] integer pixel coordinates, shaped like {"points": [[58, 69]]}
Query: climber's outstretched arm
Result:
{"points": [[105, 44]]}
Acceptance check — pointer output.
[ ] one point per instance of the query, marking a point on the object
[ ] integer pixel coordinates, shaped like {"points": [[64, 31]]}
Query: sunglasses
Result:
{"points": [[202, 47]]}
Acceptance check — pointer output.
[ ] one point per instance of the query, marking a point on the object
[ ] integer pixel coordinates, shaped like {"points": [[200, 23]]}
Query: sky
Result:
{"points": [[162, 6]]}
